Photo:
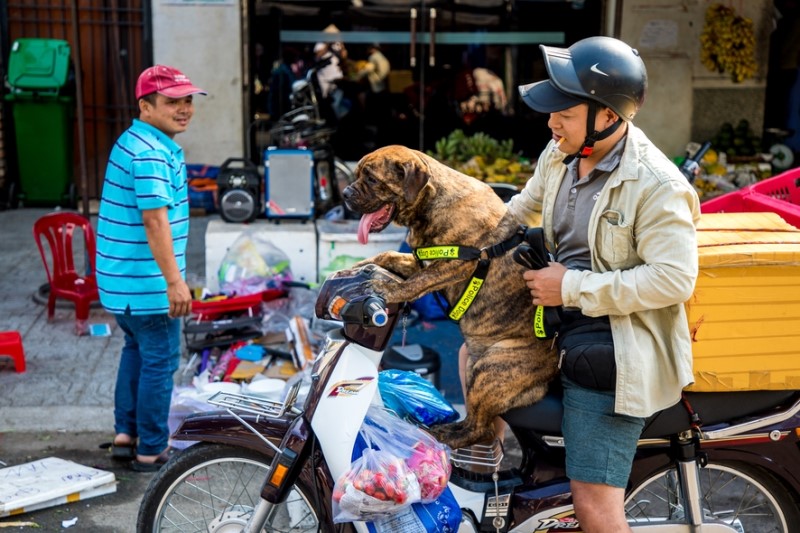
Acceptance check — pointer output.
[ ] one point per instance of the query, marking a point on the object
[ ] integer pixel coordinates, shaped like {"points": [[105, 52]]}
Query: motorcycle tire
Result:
{"points": [[214, 487], [747, 498], [344, 176]]}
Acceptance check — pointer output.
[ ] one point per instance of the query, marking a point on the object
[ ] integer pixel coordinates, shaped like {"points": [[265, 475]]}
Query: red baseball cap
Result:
{"points": [[168, 81]]}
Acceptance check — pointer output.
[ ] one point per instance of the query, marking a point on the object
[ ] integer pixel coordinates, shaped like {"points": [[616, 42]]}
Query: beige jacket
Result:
{"points": [[644, 266]]}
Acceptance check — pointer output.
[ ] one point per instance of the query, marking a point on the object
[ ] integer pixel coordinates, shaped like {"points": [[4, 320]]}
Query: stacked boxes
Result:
{"points": [[744, 314]]}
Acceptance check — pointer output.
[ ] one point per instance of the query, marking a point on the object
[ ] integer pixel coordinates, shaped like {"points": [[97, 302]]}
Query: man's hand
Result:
{"points": [[545, 284], [159, 237], [180, 298]]}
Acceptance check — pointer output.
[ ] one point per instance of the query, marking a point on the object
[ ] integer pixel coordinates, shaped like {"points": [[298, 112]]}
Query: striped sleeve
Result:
{"points": [[152, 171]]}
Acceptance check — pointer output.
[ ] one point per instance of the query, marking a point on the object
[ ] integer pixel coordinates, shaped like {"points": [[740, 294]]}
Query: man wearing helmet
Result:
{"points": [[620, 220]]}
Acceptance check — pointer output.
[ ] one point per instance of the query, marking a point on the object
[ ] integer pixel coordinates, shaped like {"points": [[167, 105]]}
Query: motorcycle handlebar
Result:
{"points": [[691, 164], [375, 309], [370, 311]]}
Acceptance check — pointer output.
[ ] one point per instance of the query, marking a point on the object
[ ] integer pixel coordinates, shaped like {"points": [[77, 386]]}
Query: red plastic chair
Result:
{"points": [[11, 347], [58, 229]]}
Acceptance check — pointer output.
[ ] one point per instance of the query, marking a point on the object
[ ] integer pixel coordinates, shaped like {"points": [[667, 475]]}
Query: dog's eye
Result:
{"points": [[370, 179]]}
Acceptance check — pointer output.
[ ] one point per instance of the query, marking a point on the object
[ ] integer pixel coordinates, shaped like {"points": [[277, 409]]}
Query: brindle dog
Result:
{"points": [[508, 366]]}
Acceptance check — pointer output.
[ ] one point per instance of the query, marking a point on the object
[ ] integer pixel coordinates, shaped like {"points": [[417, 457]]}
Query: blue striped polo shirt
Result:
{"points": [[146, 170]]}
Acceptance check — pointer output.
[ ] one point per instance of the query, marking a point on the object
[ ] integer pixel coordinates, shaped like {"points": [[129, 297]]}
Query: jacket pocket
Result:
{"points": [[616, 248]]}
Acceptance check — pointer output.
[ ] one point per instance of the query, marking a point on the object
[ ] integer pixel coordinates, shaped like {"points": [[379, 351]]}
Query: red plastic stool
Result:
{"points": [[11, 346]]}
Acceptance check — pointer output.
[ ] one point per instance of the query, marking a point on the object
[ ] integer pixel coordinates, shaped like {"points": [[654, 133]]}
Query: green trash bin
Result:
{"points": [[43, 110]]}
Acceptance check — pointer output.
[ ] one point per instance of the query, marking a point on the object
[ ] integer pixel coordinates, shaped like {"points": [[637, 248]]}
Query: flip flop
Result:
{"points": [[161, 460], [120, 452]]}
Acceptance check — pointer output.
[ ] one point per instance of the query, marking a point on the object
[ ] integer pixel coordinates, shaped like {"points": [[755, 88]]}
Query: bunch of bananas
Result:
{"points": [[727, 43], [483, 157]]}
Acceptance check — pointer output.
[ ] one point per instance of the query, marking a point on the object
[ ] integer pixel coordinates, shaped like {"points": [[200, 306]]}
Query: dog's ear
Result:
{"points": [[416, 177]]}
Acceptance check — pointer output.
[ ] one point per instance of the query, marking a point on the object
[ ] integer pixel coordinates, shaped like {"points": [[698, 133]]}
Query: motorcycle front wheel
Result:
{"points": [[213, 487], [745, 498]]}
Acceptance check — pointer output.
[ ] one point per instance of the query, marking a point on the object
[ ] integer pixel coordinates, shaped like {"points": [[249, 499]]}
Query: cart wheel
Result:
{"points": [[782, 156]]}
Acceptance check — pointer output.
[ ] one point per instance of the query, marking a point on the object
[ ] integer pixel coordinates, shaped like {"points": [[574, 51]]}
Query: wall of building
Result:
{"points": [[204, 40], [686, 102]]}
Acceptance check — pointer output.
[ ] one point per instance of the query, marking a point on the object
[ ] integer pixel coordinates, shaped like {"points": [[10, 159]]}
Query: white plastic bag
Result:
{"points": [[253, 264], [426, 457], [378, 484]]}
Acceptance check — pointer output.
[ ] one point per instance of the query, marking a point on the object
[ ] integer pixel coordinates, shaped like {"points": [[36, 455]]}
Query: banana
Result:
{"points": [[727, 43]]}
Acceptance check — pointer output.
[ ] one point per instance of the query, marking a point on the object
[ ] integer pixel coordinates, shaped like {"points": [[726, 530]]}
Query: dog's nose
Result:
{"points": [[348, 192]]}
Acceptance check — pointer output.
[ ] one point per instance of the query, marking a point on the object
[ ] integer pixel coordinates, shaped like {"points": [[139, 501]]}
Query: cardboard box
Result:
{"points": [[744, 314]]}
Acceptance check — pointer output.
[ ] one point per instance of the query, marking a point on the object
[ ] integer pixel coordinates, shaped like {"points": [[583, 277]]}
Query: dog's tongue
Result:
{"points": [[365, 224]]}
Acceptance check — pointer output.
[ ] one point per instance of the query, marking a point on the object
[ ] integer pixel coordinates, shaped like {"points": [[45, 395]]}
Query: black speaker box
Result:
{"points": [[239, 190]]}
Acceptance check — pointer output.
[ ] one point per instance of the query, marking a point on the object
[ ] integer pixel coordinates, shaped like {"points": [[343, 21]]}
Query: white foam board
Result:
{"points": [[48, 482]]}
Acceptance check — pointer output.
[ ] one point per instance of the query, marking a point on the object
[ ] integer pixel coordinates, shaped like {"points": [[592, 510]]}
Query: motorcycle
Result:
{"points": [[715, 462]]}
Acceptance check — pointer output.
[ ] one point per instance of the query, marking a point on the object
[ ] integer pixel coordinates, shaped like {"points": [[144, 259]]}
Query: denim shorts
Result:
{"points": [[600, 445]]}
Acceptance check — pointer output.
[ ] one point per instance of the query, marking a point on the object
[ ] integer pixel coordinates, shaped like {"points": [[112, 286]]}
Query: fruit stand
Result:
{"points": [[734, 161], [483, 158]]}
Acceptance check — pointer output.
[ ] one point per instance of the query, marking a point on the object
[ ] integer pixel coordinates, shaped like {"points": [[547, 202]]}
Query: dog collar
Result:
{"points": [[469, 253]]}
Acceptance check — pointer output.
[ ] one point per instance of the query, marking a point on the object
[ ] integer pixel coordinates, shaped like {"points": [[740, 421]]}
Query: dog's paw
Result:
{"points": [[363, 263], [462, 434], [382, 287], [451, 434]]}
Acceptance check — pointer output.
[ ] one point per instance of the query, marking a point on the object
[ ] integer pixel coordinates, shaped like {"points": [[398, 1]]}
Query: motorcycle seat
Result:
{"points": [[712, 407]]}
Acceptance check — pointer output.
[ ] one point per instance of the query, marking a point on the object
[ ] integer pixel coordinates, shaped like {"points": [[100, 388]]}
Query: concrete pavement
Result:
{"points": [[62, 405], [69, 382]]}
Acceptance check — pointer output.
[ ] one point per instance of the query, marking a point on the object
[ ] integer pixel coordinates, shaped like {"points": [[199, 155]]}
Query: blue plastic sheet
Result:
{"points": [[413, 397]]}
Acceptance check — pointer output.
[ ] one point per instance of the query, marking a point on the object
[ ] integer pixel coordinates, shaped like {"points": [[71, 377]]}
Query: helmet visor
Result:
{"points": [[543, 97], [561, 69]]}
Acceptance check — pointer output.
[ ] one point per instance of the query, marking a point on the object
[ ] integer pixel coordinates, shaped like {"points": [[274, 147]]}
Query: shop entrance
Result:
{"points": [[453, 65]]}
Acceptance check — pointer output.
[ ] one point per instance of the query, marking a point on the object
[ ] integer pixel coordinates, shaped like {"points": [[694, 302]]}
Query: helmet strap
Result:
{"points": [[587, 147]]}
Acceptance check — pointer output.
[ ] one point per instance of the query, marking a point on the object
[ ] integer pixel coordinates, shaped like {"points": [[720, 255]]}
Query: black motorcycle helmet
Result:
{"points": [[595, 70]]}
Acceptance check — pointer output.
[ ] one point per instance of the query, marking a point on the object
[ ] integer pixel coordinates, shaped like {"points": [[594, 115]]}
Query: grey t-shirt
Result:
{"points": [[574, 203]]}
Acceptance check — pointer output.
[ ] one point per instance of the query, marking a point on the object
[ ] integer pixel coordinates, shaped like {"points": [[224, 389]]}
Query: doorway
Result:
{"points": [[455, 64]]}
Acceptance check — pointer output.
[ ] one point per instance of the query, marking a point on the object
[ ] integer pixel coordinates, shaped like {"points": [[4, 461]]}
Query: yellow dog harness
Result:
{"points": [[469, 253]]}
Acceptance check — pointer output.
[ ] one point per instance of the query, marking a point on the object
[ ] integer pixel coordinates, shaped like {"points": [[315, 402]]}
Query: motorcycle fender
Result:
{"points": [[780, 459], [222, 428], [343, 406]]}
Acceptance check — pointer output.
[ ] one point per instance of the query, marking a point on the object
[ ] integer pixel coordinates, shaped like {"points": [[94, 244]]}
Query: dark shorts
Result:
{"points": [[600, 445]]}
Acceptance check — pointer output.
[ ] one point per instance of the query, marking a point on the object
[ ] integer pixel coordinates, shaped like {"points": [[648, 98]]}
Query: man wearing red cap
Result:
{"points": [[143, 226]]}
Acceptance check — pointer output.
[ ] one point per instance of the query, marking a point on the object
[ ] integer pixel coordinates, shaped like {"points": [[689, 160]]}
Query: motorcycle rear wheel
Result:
{"points": [[213, 487], [746, 498]]}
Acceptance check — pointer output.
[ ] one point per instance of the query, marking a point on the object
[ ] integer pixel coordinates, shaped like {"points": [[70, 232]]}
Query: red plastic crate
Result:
{"points": [[784, 187], [780, 195], [732, 202]]}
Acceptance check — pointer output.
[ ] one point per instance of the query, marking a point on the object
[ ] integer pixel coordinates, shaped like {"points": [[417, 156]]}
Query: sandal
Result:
{"points": [[120, 452], [139, 466]]}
